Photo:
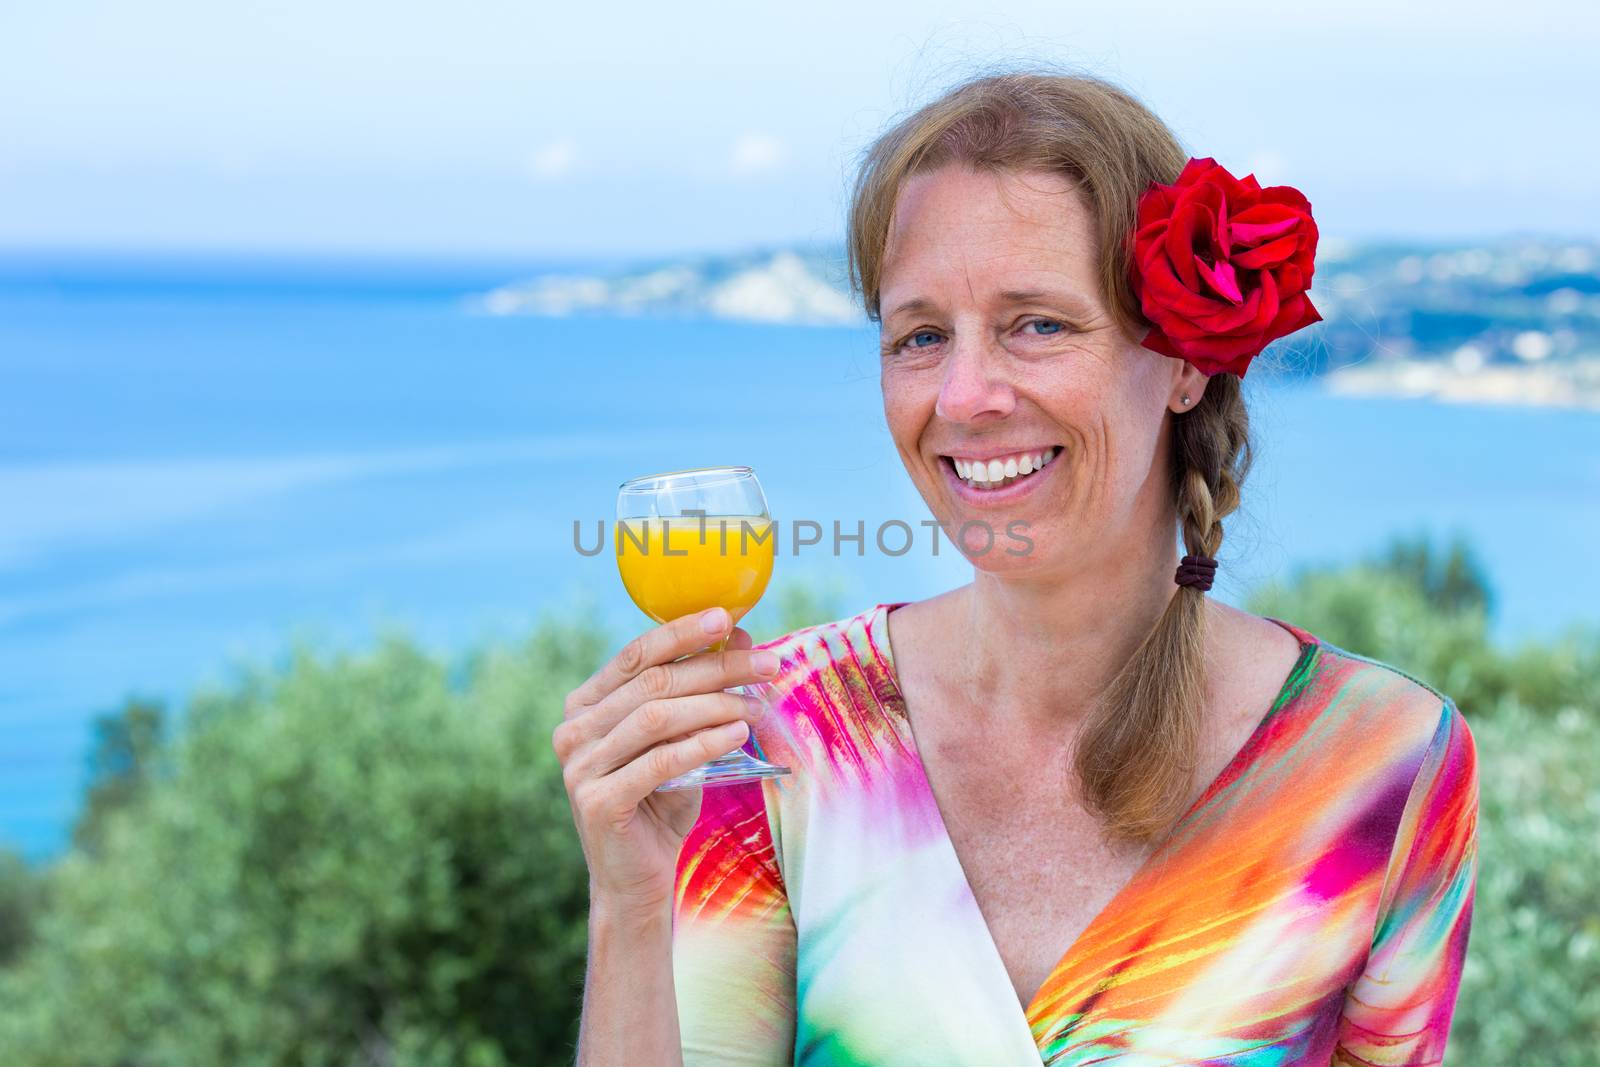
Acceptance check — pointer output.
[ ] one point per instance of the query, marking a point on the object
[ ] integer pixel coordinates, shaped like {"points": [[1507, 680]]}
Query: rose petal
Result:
{"points": [[1166, 297], [1226, 320], [1270, 300], [1164, 287], [1229, 318], [1268, 254], [1221, 278], [1158, 341], [1156, 205], [1217, 199], [1218, 354], [1195, 168], [1287, 196], [1180, 240], [1297, 314], [1255, 233]]}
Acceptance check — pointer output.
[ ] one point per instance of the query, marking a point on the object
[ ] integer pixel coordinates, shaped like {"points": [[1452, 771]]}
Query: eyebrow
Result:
{"points": [[1070, 301]]}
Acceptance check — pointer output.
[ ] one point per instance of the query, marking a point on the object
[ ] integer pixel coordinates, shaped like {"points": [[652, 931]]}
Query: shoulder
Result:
{"points": [[1381, 712], [834, 702], [827, 635], [1380, 683], [851, 649]]}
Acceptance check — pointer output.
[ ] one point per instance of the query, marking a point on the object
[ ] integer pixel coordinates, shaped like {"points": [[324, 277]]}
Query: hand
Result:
{"points": [[643, 718]]}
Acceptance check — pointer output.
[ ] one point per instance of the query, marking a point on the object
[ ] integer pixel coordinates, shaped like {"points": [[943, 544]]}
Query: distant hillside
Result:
{"points": [[795, 286], [1514, 321]]}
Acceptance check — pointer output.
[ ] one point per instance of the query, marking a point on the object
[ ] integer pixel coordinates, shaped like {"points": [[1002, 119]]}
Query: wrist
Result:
{"points": [[628, 914]]}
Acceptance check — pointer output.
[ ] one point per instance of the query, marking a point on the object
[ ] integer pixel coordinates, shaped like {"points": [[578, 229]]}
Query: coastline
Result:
{"points": [[1570, 384]]}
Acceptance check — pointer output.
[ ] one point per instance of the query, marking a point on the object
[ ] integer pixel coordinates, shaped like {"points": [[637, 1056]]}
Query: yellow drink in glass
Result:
{"points": [[673, 567], [692, 540]]}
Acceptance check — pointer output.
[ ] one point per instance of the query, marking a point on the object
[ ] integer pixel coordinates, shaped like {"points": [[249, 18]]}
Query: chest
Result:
{"points": [[1036, 861]]}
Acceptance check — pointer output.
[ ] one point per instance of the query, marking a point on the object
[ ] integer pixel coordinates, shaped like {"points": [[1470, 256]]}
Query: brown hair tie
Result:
{"points": [[1196, 571]]}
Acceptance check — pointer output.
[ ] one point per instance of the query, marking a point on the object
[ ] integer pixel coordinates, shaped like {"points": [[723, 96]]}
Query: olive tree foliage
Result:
{"points": [[21, 897], [124, 755], [351, 861]]}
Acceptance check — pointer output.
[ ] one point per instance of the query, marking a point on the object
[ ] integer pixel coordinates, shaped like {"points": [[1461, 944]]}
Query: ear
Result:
{"points": [[1190, 382]]}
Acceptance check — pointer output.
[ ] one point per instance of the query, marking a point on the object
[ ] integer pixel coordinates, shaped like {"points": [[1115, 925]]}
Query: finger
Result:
{"points": [[739, 640], [660, 644], [632, 783], [658, 721], [705, 673]]}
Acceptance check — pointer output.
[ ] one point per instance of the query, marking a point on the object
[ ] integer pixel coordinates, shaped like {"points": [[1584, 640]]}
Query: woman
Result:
{"points": [[1075, 811]]}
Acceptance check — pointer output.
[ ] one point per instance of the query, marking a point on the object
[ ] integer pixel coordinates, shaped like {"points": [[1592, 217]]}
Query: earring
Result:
{"points": [[1185, 398]]}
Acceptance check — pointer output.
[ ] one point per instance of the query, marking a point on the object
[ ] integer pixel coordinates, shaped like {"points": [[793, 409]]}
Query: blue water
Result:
{"points": [[199, 461]]}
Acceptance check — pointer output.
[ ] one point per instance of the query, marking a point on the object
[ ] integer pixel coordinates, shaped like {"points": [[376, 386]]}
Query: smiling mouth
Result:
{"points": [[1001, 471]]}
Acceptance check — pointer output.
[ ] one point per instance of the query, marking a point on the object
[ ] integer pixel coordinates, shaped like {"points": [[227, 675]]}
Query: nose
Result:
{"points": [[974, 385]]}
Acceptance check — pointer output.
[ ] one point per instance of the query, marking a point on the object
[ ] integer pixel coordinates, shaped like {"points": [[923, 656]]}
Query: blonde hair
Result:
{"points": [[1136, 755]]}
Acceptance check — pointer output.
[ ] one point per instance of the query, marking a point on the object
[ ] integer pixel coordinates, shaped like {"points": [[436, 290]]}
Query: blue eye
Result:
{"points": [[916, 339], [1054, 327]]}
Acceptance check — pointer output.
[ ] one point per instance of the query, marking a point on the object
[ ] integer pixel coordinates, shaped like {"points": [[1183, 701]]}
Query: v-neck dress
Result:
{"points": [[1312, 907]]}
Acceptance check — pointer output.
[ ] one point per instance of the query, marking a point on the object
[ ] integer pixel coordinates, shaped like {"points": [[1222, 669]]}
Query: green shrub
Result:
{"points": [[350, 862], [21, 897], [1530, 992]]}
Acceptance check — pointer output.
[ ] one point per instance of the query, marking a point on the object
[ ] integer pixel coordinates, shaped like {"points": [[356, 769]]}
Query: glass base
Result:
{"points": [[736, 766]]}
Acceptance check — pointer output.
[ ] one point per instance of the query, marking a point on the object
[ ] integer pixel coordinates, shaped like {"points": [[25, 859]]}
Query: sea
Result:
{"points": [[205, 460]]}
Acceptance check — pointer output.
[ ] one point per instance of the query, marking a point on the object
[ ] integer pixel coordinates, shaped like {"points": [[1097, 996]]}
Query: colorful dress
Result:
{"points": [[1312, 907]]}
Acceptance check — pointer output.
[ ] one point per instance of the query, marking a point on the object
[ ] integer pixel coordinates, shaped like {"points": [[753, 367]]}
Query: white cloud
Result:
{"points": [[755, 153], [553, 160]]}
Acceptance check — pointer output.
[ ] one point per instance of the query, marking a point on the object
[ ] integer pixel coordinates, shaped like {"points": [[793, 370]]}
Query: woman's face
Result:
{"points": [[998, 351]]}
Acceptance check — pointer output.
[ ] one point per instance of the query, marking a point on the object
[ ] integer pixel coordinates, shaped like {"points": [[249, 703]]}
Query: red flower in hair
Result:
{"points": [[1221, 266]]}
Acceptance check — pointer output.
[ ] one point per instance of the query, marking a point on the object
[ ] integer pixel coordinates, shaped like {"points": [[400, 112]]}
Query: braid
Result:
{"points": [[1210, 458], [1135, 757]]}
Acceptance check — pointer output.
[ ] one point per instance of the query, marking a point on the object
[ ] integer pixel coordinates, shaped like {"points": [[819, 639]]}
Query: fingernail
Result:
{"points": [[714, 621], [764, 662]]}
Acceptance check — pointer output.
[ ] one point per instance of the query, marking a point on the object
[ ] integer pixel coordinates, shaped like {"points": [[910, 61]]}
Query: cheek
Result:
{"points": [[907, 404], [1132, 439]]}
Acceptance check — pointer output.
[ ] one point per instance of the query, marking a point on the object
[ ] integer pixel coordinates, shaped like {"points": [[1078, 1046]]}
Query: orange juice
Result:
{"points": [[674, 567]]}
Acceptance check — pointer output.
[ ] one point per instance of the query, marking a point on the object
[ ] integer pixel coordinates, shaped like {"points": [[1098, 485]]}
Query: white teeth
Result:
{"points": [[994, 473]]}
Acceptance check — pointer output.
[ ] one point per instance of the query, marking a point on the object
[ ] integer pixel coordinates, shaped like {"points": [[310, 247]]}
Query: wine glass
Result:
{"points": [[692, 540]]}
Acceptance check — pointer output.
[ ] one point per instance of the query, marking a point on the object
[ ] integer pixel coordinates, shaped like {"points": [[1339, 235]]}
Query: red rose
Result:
{"points": [[1221, 266]]}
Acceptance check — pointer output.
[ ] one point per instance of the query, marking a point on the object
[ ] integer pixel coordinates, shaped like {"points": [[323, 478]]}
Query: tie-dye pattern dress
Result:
{"points": [[1312, 907]]}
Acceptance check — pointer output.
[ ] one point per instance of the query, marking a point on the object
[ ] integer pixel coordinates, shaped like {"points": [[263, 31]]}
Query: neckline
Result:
{"points": [[1294, 686]]}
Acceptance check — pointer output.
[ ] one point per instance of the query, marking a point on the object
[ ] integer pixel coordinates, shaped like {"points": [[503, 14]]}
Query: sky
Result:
{"points": [[641, 129]]}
